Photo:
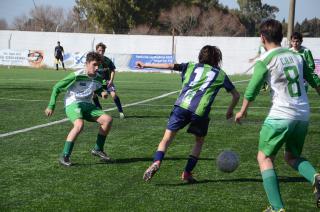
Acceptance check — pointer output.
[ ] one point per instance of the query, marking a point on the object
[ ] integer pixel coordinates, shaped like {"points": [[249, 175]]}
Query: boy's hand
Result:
{"points": [[109, 83], [139, 64], [104, 94], [48, 112], [239, 116]]}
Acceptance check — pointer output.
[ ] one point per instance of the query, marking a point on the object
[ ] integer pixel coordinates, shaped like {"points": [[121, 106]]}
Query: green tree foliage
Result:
{"points": [[252, 12], [120, 16], [147, 16]]}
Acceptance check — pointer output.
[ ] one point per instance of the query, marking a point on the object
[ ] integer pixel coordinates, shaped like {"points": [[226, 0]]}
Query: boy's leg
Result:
{"points": [[61, 59], [68, 146], [274, 133], [159, 155], [301, 165], [105, 122], [270, 181], [96, 101], [117, 101], [192, 160], [305, 168]]}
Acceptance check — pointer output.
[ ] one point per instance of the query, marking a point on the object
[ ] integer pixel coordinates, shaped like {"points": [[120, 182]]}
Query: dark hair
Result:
{"points": [[296, 35], [210, 55], [272, 31], [102, 45], [93, 56]]}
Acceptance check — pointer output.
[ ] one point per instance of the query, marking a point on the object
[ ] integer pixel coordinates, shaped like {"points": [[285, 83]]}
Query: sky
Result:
{"points": [[304, 8]]}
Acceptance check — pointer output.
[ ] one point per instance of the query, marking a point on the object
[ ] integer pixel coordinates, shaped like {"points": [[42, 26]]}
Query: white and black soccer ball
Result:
{"points": [[228, 161]]}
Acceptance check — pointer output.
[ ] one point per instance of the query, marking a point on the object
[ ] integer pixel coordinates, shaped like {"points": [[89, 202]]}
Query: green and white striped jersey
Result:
{"points": [[284, 71], [200, 85], [79, 88]]}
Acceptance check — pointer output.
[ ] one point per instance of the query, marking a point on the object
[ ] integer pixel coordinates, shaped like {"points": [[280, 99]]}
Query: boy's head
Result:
{"points": [[210, 55], [58, 43], [271, 32], [296, 40], [93, 60], [101, 48]]}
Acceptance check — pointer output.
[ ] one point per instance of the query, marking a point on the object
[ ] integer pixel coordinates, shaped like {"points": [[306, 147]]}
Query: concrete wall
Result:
{"points": [[236, 50]]}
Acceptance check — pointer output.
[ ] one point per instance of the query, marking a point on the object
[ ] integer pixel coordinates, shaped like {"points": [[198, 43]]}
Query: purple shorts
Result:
{"points": [[181, 117]]}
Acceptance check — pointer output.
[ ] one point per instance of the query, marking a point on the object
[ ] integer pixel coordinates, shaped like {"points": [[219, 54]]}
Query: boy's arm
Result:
{"points": [[311, 77], [112, 75], [243, 111], [57, 88], [235, 99], [255, 84], [260, 72], [235, 96], [142, 65], [309, 59]]}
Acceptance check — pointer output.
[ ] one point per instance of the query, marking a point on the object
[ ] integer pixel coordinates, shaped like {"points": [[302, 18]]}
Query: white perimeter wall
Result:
{"points": [[236, 50]]}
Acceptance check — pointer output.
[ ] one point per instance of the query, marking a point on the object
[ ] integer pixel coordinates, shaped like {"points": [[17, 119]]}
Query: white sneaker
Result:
{"points": [[121, 115]]}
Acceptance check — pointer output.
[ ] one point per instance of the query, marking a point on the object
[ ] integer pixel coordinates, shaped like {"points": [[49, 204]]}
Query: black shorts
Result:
{"points": [[59, 58], [180, 117]]}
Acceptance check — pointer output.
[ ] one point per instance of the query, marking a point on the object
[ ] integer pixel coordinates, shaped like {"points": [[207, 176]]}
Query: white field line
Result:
{"points": [[43, 80], [64, 120], [110, 109]]}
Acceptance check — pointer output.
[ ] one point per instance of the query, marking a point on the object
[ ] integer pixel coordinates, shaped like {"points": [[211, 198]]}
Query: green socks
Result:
{"points": [[305, 168], [68, 146], [101, 139], [271, 186]]}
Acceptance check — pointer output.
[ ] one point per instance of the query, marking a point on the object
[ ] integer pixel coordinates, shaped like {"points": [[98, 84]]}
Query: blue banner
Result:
{"points": [[150, 58]]}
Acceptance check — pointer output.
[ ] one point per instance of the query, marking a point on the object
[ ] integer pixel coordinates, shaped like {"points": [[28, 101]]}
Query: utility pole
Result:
{"points": [[173, 53], [291, 20]]}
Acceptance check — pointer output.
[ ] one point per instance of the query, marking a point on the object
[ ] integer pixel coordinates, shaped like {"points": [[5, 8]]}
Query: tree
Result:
{"points": [[181, 18], [3, 24], [41, 18], [254, 12], [120, 16]]}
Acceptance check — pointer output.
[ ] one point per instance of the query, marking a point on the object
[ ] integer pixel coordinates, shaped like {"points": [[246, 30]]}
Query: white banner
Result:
{"points": [[12, 57]]}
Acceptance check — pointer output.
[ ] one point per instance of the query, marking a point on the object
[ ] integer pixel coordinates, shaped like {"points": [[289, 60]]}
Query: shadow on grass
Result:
{"points": [[135, 160], [141, 117], [282, 179]]}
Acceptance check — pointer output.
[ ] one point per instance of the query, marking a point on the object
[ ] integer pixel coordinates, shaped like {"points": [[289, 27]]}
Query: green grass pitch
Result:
{"points": [[32, 180]]}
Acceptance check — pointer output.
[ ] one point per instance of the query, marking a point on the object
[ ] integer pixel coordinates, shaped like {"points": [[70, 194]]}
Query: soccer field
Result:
{"points": [[32, 180]]}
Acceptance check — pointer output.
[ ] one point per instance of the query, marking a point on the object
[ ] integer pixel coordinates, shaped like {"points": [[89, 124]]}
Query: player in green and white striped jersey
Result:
{"points": [[80, 87], [288, 119], [296, 41], [201, 83]]}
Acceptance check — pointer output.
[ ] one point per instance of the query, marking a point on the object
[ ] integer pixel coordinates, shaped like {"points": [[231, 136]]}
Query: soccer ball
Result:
{"points": [[228, 161]]}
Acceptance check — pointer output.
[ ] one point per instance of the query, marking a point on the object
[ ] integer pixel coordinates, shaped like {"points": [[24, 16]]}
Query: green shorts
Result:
{"points": [[275, 132], [83, 110]]}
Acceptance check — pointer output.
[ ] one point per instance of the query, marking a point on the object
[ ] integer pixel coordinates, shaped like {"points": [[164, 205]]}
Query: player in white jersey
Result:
{"points": [[80, 87], [288, 119]]}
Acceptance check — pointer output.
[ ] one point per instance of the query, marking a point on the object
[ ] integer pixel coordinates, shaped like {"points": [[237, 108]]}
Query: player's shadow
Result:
{"points": [[143, 117], [282, 179], [149, 159], [134, 160]]}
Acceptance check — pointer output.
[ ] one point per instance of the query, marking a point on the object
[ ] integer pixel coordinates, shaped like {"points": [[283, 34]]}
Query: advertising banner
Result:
{"points": [[150, 58], [11, 57]]}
